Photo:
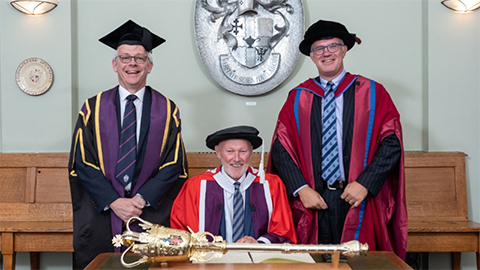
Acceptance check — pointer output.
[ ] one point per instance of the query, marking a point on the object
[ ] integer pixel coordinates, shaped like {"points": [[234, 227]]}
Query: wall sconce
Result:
{"points": [[31, 7], [462, 6]]}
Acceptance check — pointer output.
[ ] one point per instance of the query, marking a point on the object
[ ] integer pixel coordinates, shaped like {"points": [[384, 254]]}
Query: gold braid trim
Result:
{"points": [[97, 133]]}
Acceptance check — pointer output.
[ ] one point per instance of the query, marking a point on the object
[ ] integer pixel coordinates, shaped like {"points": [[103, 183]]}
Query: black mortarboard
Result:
{"points": [[326, 29], [239, 132], [131, 33]]}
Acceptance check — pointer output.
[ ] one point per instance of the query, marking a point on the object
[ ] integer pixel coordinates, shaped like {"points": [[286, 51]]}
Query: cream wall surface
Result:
{"points": [[425, 55]]}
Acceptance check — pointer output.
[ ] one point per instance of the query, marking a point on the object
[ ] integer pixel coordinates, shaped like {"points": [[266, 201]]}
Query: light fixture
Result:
{"points": [[462, 6], [31, 7]]}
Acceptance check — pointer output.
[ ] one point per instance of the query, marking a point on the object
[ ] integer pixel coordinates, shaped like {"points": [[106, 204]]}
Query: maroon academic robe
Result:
{"points": [[380, 221]]}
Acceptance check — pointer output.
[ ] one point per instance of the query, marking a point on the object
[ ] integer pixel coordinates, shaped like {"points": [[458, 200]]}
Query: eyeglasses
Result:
{"points": [[332, 47], [125, 58]]}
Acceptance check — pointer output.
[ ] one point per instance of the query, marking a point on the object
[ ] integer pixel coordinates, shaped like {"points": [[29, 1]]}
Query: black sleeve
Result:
{"points": [[290, 174], [384, 161], [95, 183]]}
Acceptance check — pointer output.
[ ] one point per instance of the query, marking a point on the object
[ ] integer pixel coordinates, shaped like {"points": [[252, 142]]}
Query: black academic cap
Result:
{"points": [[326, 30], [239, 132], [131, 33]]}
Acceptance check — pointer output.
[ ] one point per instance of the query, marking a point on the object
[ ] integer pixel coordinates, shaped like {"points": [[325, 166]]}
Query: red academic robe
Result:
{"points": [[199, 205], [380, 221]]}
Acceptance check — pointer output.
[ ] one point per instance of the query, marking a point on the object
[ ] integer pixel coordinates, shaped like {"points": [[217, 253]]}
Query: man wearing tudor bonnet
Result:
{"points": [[236, 201], [338, 148]]}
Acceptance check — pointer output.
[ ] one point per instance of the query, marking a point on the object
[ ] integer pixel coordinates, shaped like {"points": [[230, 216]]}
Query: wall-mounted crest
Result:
{"points": [[249, 47]]}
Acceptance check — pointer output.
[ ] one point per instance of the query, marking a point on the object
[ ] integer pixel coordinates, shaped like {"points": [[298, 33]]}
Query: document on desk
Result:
{"points": [[233, 257], [278, 257], [263, 257]]}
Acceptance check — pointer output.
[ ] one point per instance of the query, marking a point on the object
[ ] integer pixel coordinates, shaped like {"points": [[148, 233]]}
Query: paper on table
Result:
{"points": [[278, 257], [265, 257], [233, 257]]}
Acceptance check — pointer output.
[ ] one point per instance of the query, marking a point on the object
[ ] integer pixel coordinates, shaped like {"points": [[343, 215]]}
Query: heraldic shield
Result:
{"points": [[249, 47], [253, 35]]}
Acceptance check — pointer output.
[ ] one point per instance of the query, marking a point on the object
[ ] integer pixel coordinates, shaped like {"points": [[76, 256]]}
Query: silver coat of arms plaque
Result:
{"points": [[249, 47]]}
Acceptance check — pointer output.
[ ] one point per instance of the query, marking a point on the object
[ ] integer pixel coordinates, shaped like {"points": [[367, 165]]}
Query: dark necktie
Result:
{"points": [[127, 152], [330, 162], [238, 214]]}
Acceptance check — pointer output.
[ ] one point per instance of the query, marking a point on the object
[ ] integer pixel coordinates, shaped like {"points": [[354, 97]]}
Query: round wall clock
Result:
{"points": [[34, 76]]}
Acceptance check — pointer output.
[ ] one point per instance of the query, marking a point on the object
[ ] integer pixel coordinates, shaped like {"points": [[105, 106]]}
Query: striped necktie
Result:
{"points": [[330, 162], [127, 152], [238, 214]]}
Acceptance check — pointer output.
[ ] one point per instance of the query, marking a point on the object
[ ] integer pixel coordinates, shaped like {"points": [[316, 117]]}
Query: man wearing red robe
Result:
{"points": [[207, 201], [366, 199]]}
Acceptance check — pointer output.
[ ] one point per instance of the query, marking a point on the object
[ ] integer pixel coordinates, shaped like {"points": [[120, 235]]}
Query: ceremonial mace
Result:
{"points": [[159, 244]]}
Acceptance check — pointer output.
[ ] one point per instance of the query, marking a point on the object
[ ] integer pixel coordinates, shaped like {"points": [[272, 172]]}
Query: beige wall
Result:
{"points": [[425, 55]]}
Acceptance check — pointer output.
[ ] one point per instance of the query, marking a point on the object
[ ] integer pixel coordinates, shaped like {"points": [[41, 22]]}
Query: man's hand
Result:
{"points": [[125, 208], [247, 239], [139, 201], [354, 194], [311, 199]]}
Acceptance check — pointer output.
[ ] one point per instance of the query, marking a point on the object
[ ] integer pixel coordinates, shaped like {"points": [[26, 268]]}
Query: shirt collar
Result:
{"points": [[336, 81], [124, 93], [227, 183]]}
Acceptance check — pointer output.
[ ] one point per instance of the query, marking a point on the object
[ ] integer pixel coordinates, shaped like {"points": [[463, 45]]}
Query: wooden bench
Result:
{"points": [[436, 194], [35, 206], [36, 216]]}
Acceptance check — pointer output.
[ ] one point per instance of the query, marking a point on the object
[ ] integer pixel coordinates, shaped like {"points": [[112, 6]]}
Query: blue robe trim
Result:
{"points": [[369, 138]]}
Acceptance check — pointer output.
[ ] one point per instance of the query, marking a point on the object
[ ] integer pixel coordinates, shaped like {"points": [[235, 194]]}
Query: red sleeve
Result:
{"points": [[185, 207], [281, 222]]}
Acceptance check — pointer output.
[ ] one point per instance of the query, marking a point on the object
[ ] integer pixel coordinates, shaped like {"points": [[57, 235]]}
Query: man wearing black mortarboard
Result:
{"points": [[338, 148], [127, 157]]}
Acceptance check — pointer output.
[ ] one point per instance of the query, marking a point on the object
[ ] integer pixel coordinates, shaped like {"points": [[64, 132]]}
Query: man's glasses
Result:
{"points": [[332, 47], [125, 58]]}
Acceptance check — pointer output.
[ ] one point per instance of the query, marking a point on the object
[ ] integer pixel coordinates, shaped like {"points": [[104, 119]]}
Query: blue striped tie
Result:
{"points": [[330, 162], [238, 214], [127, 152]]}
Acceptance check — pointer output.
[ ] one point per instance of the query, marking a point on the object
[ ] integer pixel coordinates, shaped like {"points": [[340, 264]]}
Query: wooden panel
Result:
{"points": [[44, 242], [52, 186], [442, 242], [435, 186], [420, 181], [20, 160], [36, 226], [30, 185], [36, 212], [12, 184]]}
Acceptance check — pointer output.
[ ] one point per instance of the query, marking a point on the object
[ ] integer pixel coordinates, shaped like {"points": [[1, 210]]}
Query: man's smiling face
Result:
{"points": [[329, 65], [132, 76], [235, 155]]}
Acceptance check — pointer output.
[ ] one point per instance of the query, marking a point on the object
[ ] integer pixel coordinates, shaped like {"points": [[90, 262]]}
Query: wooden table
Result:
{"points": [[374, 260]]}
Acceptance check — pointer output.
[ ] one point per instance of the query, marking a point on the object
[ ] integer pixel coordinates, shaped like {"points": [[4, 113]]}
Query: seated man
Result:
{"points": [[241, 204]]}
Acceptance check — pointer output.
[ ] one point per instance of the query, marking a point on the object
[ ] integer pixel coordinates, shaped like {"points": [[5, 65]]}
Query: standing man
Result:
{"points": [[127, 157], [241, 204], [338, 148]]}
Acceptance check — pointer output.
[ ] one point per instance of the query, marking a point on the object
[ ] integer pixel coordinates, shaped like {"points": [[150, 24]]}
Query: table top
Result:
{"points": [[373, 260]]}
